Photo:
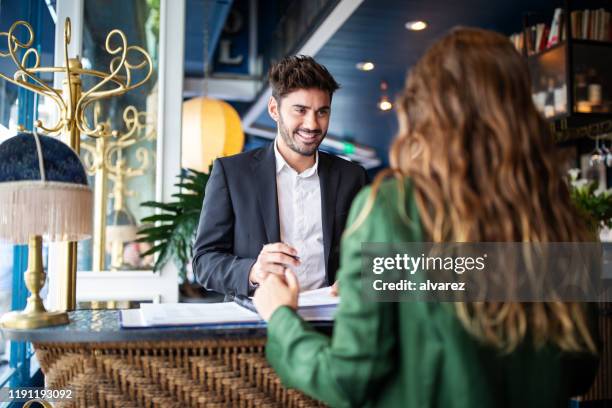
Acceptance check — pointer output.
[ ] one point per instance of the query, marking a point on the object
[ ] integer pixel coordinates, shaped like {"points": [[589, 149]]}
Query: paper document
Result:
{"points": [[186, 314], [201, 313], [131, 318], [313, 305], [318, 297]]}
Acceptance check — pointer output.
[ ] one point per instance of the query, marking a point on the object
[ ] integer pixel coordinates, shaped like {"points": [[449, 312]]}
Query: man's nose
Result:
{"points": [[311, 122]]}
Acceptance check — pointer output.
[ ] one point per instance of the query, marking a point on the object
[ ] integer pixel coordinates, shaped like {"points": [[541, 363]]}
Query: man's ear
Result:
{"points": [[273, 108]]}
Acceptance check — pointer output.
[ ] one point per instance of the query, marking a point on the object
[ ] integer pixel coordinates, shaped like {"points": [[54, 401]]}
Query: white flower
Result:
{"points": [[579, 183], [603, 191], [574, 173]]}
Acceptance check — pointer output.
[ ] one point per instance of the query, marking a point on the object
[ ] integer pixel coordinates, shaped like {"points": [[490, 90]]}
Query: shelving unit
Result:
{"points": [[572, 87], [572, 80]]}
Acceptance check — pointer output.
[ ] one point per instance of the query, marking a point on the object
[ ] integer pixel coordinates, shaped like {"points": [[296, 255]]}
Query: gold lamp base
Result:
{"points": [[33, 320], [34, 315]]}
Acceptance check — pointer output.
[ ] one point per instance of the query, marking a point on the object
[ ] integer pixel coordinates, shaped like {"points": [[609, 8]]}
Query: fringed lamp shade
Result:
{"points": [[43, 190], [121, 226], [211, 129]]}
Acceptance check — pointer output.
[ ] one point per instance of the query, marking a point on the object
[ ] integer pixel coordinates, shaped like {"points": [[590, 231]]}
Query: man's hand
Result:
{"points": [[275, 292], [273, 259], [334, 289]]}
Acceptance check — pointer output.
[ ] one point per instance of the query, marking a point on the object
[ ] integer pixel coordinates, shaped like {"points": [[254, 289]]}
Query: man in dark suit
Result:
{"points": [[282, 206]]}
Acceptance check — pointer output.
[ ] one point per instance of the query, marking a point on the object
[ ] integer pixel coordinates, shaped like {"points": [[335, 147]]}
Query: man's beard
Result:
{"points": [[290, 138]]}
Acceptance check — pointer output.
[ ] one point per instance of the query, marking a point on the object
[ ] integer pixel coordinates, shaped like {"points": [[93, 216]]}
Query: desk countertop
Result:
{"points": [[103, 326]]}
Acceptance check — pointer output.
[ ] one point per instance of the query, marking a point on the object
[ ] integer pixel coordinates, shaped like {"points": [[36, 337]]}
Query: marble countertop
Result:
{"points": [[88, 326]]}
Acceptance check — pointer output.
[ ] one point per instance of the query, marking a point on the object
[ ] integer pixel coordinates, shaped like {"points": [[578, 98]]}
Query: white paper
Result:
{"points": [[314, 305], [156, 314], [318, 297], [132, 318]]}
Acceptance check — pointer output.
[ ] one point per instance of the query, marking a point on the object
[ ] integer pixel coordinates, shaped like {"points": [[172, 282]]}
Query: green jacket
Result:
{"points": [[410, 354]]}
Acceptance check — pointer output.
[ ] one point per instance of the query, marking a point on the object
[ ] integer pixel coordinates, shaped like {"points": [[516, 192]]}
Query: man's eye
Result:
{"points": [[300, 110], [323, 113]]}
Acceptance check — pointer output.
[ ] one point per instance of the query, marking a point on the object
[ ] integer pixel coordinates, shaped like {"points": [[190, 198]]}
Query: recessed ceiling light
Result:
{"points": [[385, 105], [417, 25], [365, 66]]}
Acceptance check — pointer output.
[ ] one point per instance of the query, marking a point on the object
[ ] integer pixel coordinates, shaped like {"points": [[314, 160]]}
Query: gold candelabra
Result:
{"points": [[105, 160], [73, 102]]}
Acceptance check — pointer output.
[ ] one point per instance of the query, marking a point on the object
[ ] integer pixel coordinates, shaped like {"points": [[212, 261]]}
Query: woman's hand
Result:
{"points": [[275, 292]]}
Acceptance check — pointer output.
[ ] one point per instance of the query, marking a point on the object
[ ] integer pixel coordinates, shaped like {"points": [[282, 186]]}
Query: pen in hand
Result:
{"points": [[273, 258]]}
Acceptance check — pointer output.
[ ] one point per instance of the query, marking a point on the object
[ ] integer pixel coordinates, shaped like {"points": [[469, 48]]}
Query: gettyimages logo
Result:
{"points": [[411, 264], [490, 271]]}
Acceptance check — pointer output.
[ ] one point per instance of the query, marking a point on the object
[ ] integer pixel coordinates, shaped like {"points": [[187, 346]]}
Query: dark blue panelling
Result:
{"points": [[36, 13], [201, 15], [44, 33], [19, 360], [238, 38]]}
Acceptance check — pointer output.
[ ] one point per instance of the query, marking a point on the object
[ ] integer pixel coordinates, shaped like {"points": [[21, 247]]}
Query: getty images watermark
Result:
{"points": [[489, 271]]}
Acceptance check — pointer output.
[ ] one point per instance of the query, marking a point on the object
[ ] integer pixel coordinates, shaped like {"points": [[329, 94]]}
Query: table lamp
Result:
{"points": [[43, 193], [120, 228]]}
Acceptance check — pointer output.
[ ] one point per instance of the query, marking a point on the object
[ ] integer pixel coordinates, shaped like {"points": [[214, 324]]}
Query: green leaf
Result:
{"points": [[155, 249], [189, 187], [160, 230], [163, 206], [159, 217], [176, 234], [163, 258]]}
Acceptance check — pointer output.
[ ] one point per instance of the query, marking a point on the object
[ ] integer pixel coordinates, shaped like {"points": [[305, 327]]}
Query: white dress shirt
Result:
{"points": [[299, 214]]}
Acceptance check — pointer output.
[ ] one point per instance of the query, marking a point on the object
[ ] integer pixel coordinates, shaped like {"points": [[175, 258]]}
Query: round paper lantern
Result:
{"points": [[211, 129]]}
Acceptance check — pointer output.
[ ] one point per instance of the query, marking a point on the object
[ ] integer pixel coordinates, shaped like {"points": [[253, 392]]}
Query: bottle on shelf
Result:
{"points": [[549, 105], [581, 94], [539, 96], [594, 90], [560, 95]]}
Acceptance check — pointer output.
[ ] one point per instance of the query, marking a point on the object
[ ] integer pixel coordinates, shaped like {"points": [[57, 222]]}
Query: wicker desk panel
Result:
{"points": [[214, 366], [204, 373]]}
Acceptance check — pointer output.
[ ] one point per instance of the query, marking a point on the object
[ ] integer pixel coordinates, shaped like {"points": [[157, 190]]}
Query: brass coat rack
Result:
{"points": [[73, 102], [105, 160]]}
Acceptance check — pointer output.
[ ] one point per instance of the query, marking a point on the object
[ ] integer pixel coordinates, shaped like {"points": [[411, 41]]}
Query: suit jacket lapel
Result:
{"points": [[328, 181], [264, 171]]}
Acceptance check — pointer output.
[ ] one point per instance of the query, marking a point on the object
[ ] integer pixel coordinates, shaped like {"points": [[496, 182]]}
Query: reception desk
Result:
{"points": [[212, 366], [201, 366]]}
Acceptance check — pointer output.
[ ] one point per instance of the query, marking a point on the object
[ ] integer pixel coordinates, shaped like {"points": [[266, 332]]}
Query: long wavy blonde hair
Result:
{"points": [[484, 168]]}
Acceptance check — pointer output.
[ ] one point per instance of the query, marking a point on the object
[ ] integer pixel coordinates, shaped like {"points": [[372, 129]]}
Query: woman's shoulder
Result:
{"points": [[388, 203], [389, 190]]}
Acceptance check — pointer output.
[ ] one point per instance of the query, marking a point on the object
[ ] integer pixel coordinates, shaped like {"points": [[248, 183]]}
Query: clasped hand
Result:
{"points": [[273, 259], [278, 285], [276, 291]]}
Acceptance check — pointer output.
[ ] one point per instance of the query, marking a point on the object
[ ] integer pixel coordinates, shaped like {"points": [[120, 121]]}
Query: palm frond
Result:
{"points": [[176, 222]]}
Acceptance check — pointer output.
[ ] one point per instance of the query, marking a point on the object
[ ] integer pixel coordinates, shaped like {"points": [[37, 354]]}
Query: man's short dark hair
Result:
{"points": [[300, 72]]}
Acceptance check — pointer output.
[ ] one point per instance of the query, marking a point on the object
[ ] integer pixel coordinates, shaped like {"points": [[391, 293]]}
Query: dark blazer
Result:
{"points": [[240, 216]]}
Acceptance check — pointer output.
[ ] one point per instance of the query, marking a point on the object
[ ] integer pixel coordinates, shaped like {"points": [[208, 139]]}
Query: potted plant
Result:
{"points": [[594, 202], [172, 230]]}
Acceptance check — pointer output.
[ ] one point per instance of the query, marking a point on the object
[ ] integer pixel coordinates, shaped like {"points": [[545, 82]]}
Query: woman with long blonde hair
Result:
{"points": [[473, 162]]}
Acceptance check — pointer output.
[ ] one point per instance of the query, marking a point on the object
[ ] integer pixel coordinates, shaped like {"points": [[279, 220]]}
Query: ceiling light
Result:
{"points": [[384, 104], [417, 25], [365, 66]]}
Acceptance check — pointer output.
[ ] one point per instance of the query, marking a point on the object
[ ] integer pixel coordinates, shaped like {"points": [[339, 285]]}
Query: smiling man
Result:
{"points": [[284, 205]]}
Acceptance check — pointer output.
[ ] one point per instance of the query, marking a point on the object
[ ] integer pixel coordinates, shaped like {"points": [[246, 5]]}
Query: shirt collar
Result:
{"points": [[281, 163]]}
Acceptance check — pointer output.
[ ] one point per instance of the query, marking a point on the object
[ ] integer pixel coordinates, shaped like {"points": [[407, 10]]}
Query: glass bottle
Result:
{"points": [[594, 90], [560, 95], [581, 92], [549, 106]]}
